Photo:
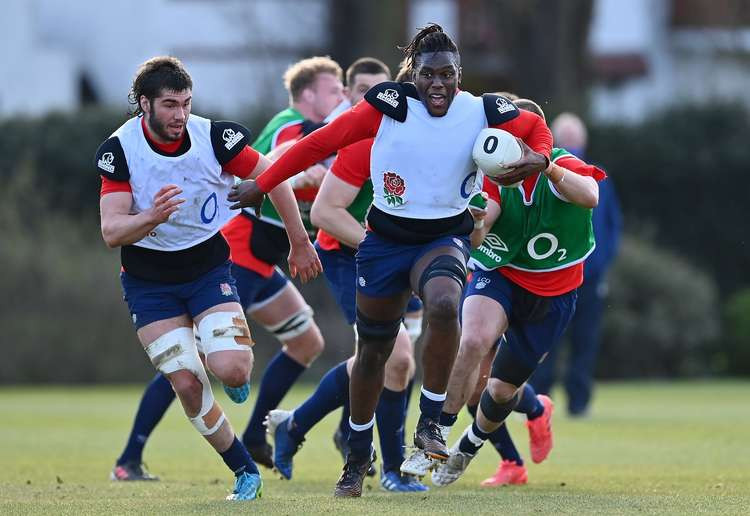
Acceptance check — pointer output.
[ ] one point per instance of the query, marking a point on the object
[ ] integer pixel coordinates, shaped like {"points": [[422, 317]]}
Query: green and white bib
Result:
{"points": [[546, 234]]}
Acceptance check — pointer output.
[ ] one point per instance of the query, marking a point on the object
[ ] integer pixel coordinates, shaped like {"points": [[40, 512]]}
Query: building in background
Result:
{"points": [[61, 55], [65, 54], [648, 53]]}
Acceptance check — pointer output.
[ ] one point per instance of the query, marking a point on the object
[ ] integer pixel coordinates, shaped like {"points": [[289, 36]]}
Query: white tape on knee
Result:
{"points": [[293, 326], [176, 351], [224, 331]]}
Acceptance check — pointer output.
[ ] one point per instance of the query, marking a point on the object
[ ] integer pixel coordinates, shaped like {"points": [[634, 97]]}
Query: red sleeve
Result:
{"points": [[492, 189], [110, 186], [581, 167], [290, 132], [360, 122], [352, 163], [243, 163], [531, 128]]}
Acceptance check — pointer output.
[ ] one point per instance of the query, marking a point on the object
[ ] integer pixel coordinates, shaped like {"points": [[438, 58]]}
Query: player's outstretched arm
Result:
{"points": [[121, 227], [303, 259]]}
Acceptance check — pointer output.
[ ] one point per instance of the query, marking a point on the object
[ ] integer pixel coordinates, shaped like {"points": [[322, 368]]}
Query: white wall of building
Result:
{"points": [[236, 51]]}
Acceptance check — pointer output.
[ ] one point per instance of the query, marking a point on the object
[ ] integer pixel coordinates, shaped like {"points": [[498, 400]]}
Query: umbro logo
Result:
{"points": [[495, 242], [105, 162], [231, 137], [388, 96], [504, 105]]}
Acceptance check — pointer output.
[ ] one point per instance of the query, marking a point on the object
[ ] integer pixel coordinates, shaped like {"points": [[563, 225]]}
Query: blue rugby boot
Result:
{"points": [[285, 446], [238, 394], [247, 486], [395, 482]]}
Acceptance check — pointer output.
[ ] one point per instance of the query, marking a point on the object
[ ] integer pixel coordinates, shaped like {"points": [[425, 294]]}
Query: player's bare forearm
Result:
{"points": [[125, 229], [580, 190], [120, 227], [340, 224], [283, 200]]}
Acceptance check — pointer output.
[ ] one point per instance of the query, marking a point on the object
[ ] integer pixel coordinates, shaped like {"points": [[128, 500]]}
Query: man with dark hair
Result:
{"points": [[175, 261], [339, 211], [418, 226]]}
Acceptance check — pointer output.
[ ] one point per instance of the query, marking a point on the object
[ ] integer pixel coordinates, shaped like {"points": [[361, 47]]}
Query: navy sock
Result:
{"points": [[360, 440], [278, 378], [238, 459], [332, 393], [155, 401], [472, 441], [529, 404], [344, 422], [504, 445], [389, 415], [431, 404], [472, 409], [447, 419]]}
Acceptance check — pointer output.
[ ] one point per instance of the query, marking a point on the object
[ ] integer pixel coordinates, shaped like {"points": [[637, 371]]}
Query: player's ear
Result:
{"points": [[460, 74], [145, 104], [308, 95]]}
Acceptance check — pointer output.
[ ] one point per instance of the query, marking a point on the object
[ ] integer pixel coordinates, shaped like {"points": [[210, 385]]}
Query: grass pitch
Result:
{"points": [[647, 448]]}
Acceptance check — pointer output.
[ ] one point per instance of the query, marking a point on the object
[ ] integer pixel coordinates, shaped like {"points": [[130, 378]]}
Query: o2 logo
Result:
{"points": [[468, 185], [553, 247], [209, 209]]}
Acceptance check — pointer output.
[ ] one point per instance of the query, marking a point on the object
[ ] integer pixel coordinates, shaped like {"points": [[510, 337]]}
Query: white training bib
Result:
{"points": [[422, 168], [197, 172]]}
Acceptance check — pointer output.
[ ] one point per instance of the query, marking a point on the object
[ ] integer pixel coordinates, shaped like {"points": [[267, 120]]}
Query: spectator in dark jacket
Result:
{"points": [[570, 133]]}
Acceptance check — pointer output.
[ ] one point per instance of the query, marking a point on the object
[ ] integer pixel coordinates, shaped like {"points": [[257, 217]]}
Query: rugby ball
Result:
{"points": [[494, 149]]}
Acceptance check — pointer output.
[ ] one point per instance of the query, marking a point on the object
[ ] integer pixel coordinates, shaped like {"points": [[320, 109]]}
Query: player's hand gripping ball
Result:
{"points": [[493, 150]]}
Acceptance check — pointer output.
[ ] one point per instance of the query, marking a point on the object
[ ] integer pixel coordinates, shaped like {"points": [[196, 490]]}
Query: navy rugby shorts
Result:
{"points": [[340, 269], [533, 340], [383, 266], [150, 301], [255, 290]]}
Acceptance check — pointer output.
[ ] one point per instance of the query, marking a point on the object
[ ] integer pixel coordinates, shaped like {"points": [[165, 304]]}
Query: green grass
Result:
{"points": [[653, 448]]}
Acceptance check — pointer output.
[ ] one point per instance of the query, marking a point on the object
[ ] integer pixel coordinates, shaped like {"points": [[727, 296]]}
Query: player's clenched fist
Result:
{"points": [[165, 203]]}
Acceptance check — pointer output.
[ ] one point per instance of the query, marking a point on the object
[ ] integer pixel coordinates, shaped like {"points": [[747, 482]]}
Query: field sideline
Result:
{"points": [[648, 448]]}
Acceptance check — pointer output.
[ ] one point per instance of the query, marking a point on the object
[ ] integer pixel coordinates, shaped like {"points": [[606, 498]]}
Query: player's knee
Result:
{"points": [[189, 390], [236, 375], [501, 392], [474, 345], [444, 266], [371, 357], [442, 309], [232, 368], [313, 343], [372, 330], [400, 366], [224, 331]]}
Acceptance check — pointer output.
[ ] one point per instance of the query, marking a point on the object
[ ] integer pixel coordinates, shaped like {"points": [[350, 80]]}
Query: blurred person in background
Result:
{"points": [[584, 331], [175, 262], [315, 89]]}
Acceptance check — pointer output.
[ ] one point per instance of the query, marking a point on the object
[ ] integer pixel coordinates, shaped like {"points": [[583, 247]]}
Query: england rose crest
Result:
{"points": [[393, 188]]}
